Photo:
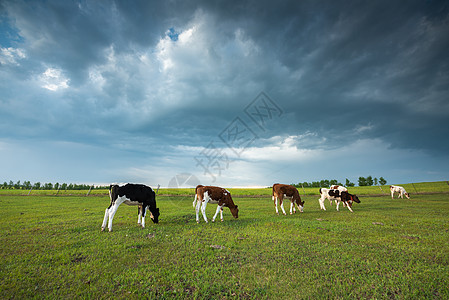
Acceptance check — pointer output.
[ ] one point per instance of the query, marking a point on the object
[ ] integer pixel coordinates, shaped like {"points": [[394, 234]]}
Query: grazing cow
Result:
{"points": [[338, 196], [131, 194], [329, 194], [284, 190], [214, 195], [400, 190], [340, 188]]}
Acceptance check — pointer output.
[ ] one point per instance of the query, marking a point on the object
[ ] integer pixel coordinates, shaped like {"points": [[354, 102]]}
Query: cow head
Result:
{"points": [[407, 195], [155, 215], [300, 204], [355, 198], [235, 211]]}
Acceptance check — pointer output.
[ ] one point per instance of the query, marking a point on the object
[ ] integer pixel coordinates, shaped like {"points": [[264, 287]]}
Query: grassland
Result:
{"points": [[51, 247]]}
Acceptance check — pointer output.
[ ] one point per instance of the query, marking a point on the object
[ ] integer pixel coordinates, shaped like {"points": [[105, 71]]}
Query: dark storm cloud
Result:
{"points": [[366, 63], [172, 73]]}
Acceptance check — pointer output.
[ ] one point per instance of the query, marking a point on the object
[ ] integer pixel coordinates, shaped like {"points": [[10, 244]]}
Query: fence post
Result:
{"points": [[415, 188], [30, 191], [89, 190], [303, 189], [381, 189]]}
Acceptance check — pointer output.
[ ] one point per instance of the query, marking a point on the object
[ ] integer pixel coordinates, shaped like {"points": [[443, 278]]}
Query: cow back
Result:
{"points": [[136, 192]]}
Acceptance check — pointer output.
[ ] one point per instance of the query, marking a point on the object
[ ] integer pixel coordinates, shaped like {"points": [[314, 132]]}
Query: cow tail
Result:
{"points": [[112, 191], [320, 191], [194, 200]]}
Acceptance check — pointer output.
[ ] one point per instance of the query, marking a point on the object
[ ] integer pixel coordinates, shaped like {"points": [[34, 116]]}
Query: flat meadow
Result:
{"points": [[51, 247]]}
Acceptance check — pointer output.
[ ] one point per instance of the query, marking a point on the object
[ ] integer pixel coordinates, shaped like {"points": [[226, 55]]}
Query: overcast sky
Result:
{"points": [[235, 93]]}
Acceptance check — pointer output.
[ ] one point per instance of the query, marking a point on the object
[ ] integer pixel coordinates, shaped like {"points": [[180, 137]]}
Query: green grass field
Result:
{"points": [[52, 247]]}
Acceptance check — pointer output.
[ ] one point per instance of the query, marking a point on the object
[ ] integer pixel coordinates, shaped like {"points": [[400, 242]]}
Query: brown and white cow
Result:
{"points": [[400, 190], [284, 190], [214, 195], [338, 196]]}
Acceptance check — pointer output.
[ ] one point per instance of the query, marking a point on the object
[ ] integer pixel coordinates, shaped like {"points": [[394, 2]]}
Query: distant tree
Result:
{"points": [[349, 183], [17, 185], [27, 185], [48, 186], [369, 180], [64, 186], [382, 181], [37, 185], [375, 181], [11, 184], [57, 186], [324, 183], [5, 185], [362, 181]]}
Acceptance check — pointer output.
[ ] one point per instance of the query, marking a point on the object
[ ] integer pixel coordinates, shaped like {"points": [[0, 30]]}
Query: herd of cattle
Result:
{"points": [[144, 198]]}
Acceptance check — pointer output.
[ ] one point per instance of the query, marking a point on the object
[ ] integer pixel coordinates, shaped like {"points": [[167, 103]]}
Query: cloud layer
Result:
{"points": [[138, 92]]}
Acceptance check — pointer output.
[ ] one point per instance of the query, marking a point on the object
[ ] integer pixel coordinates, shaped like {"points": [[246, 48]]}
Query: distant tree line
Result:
{"points": [[27, 185], [368, 181]]}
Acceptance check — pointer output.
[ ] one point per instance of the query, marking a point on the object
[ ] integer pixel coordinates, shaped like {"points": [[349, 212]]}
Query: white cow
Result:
{"points": [[400, 190]]}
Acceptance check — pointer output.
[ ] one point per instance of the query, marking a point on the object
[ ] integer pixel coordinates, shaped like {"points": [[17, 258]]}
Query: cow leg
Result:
{"points": [[194, 200], [139, 214], [338, 204], [281, 202], [321, 201], [216, 213], [113, 210], [203, 210], [276, 204], [221, 214], [349, 207], [197, 209], [106, 217], [292, 208], [144, 212]]}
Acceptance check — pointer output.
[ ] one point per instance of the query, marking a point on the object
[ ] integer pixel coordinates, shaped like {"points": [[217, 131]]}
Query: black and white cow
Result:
{"points": [[131, 194], [338, 196]]}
